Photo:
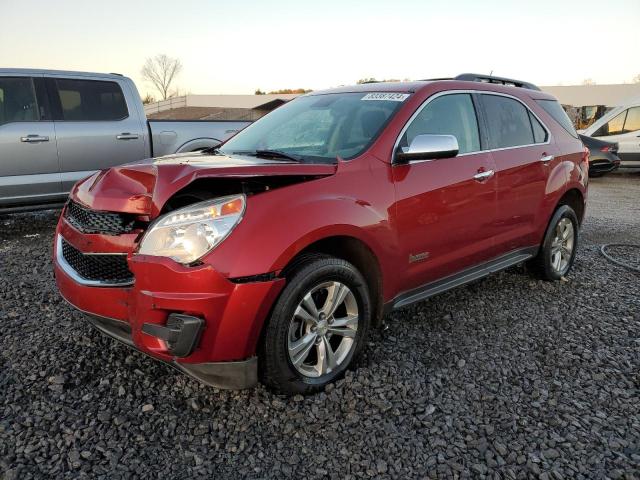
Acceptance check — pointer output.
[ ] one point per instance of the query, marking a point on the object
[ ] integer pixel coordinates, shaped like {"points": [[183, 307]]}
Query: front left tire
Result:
{"points": [[317, 328]]}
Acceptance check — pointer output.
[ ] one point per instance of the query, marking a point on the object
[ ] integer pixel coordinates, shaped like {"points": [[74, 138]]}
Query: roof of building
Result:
{"points": [[586, 95], [205, 113], [258, 102]]}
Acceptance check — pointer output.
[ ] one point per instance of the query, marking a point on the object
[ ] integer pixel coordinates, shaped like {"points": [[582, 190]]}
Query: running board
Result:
{"points": [[461, 278]]}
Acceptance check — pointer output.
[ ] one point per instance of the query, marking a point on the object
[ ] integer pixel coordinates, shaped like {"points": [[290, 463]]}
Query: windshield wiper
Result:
{"points": [[275, 154], [214, 150]]}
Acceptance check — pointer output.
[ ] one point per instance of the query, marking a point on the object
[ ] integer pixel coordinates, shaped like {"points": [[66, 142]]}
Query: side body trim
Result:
{"points": [[466, 276]]}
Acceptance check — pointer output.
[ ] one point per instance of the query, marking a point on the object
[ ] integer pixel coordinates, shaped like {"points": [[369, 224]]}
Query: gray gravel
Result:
{"points": [[506, 378]]}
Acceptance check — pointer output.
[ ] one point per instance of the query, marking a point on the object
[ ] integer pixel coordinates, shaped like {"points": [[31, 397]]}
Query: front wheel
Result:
{"points": [[317, 328], [558, 250]]}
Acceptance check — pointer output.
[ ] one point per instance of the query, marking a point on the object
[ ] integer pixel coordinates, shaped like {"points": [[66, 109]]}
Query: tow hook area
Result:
{"points": [[181, 333]]}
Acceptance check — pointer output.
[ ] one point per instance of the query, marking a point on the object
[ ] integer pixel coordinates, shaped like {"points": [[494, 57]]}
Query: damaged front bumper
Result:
{"points": [[236, 375], [191, 317]]}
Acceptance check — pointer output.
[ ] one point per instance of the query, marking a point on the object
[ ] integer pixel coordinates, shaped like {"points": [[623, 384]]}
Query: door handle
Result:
{"points": [[127, 136], [34, 139], [546, 158], [481, 176]]}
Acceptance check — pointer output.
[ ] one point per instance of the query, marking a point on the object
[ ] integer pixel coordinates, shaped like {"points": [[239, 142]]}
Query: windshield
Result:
{"points": [[319, 128]]}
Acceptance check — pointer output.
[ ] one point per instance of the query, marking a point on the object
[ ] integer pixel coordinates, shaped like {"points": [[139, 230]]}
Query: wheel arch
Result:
{"points": [[355, 251], [574, 199], [197, 144]]}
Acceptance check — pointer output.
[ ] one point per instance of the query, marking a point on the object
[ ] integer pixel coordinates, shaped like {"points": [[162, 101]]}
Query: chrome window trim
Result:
{"points": [[75, 276], [481, 92]]}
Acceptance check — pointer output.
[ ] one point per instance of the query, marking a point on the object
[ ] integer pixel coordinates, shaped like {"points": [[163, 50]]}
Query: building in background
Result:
{"points": [[216, 107], [586, 103], [583, 103]]}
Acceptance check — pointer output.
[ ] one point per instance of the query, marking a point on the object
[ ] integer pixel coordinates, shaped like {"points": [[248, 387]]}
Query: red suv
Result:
{"points": [[271, 256]]}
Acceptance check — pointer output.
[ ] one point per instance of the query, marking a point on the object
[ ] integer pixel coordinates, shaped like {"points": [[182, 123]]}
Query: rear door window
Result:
{"points": [[18, 100], [90, 100], [452, 114], [508, 122], [615, 126]]}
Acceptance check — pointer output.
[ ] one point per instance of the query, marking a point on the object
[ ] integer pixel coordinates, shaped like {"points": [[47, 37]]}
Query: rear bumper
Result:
{"points": [[603, 164], [232, 314]]}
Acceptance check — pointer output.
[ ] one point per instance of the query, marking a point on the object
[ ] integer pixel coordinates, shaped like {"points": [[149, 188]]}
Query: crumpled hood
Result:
{"points": [[143, 187]]}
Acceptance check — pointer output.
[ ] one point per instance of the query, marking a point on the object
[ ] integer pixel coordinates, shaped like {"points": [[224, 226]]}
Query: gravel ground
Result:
{"points": [[505, 378]]}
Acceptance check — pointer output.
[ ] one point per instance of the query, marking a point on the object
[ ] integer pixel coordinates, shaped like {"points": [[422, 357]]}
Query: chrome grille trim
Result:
{"points": [[77, 277]]}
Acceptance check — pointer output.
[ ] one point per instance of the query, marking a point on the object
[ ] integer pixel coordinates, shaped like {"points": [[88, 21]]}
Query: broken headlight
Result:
{"points": [[186, 234]]}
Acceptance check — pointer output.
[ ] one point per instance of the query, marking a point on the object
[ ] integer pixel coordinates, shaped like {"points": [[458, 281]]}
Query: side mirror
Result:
{"points": [[428, 147]]}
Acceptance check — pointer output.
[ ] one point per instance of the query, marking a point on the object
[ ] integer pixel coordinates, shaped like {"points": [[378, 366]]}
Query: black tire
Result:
{"points": [[275, 367], [541, 266]]}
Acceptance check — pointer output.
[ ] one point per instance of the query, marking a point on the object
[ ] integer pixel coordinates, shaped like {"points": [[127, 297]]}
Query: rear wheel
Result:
{"points": [[558, 250], [317, 328]]}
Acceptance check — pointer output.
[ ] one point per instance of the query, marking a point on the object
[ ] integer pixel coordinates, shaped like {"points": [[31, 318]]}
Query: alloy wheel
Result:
{"points": [[323, 329], [562, 245]]}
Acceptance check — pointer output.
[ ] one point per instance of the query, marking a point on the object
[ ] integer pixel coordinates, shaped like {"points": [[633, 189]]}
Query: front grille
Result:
{"points": [[93, 221], [104, 268]]}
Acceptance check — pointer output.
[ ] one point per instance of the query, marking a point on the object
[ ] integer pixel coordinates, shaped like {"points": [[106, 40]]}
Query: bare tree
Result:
{"points": [[161, 71], [588, 81], [636, 79]]}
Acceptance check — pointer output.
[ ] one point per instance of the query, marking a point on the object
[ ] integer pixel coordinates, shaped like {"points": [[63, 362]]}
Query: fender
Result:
{"points": [[566, 175], [328, 231], [265, 242]]}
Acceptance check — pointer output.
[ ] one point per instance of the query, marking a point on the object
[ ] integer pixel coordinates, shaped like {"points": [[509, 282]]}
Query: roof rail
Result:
{"points": [[476, 77]]}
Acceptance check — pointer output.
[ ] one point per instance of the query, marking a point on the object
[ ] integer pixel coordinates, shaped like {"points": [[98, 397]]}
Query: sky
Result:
{"points": [[238, 46]]}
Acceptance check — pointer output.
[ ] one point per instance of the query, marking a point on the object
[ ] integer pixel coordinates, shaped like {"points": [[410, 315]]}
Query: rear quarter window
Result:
{"points": [[555, 110], [540, 135]]}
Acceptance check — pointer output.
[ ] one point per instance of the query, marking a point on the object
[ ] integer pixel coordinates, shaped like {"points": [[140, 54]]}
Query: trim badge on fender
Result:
{"points": [[418, 257]]}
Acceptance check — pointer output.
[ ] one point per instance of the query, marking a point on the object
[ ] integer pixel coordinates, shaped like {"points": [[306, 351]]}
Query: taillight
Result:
{"points": [[607, 148]]}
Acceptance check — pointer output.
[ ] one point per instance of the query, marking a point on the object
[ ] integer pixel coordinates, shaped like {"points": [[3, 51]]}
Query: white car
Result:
{"points": [[622, 126]]}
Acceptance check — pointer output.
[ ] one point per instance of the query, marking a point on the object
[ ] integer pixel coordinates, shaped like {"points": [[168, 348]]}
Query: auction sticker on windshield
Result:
{"points": [[393, 97]]}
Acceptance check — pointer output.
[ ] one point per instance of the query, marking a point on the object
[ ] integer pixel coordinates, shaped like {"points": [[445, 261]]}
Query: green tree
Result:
{"points": [[291, 90], [148, 99], [373, 80]]}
